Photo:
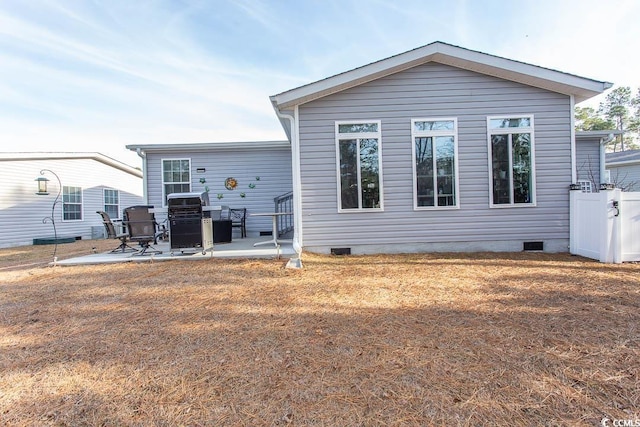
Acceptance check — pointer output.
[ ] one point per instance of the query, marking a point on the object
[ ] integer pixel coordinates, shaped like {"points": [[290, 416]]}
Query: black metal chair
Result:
{"points": [[112, 233], [238, 219], [143, 228]]}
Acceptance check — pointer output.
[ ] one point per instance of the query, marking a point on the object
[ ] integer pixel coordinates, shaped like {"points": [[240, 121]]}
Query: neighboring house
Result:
{"points": [[624, 169], [260, 170], [590, 158], [437, 149], [90, 182]]}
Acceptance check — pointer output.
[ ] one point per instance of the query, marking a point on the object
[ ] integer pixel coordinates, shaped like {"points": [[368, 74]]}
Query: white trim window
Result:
{"points": [[511, 161], [359, 165], [111, 200], [176, 177], [71, 203], [585, 185], [435, 163]]}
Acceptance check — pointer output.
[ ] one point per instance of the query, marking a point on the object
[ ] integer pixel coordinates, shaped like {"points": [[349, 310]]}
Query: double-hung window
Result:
{"points": [[176, 177], [435, 165], [71, 203], [511, 160], [358, 153], [112, 203]]}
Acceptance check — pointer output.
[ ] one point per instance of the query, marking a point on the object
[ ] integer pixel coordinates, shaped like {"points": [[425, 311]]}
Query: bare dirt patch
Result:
{"points": [[431, 339]]}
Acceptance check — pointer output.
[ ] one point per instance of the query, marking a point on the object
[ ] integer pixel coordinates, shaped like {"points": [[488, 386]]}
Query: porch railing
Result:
{"points": [[284, 203]]}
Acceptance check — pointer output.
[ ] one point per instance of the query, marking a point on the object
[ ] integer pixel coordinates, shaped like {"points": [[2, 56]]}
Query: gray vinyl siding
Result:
{"points": [[272, 166], [426, 91], [588, 160], [626, 176], [22, 211]]}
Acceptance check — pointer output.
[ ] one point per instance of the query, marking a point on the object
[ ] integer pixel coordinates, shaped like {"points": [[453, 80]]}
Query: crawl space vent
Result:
{"points": [[533, 246], [340, 251]]}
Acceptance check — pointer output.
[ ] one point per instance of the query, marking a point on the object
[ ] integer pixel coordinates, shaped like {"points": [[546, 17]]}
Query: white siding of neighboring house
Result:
{"points": [[271, 165], [428, 91], [588, 160], [22, 211]]}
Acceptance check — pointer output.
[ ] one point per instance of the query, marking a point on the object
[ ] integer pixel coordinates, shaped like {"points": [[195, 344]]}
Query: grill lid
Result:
{"points": [[188, 199]]}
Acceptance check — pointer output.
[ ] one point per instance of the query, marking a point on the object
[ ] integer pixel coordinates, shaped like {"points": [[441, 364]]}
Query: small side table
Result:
{"points": [[274, 233]]}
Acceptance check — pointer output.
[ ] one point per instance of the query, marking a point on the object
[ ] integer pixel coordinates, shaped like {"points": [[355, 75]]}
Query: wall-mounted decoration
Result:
{"points": [[230, 183], [203, 180]]}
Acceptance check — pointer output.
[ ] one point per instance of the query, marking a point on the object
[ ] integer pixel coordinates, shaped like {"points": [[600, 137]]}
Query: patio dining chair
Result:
{"points": [[238, 219], [143, 228], [112, 233]]}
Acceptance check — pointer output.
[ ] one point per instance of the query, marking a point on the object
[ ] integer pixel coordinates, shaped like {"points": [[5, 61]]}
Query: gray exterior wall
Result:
{"points": [[626, 177], [22, 211], [588, 160], [272, 165], [426, 91]]}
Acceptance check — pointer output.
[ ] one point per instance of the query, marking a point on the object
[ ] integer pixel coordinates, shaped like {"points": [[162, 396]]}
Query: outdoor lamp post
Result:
{"points": [[42, 191]]}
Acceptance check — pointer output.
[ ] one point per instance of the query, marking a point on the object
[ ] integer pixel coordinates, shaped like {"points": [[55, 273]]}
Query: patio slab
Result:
{"points": [[239, 248]]}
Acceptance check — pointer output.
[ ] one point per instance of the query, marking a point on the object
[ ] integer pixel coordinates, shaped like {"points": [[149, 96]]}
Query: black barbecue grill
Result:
{"points": [[190, 226]]}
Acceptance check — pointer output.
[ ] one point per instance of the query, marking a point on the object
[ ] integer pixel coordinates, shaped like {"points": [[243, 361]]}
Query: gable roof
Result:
{"points": [[620, 158], [16, 156], [580, 87]]}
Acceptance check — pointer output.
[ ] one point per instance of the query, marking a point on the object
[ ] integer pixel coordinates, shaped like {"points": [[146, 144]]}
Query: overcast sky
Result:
{"points": [[98, 75]]}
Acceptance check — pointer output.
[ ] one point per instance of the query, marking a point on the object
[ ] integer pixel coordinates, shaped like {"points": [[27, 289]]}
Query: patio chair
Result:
{"points": [[111, 233], [238, 219], [143, 228]]}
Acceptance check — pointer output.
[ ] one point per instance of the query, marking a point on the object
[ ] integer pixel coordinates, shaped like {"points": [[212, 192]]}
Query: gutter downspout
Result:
{"points": [[143, 156], [603, 156], [297, 201], [574, 173]]}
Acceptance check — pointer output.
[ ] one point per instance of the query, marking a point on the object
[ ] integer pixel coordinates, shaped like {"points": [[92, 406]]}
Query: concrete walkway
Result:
{"points": [[239, 248]]}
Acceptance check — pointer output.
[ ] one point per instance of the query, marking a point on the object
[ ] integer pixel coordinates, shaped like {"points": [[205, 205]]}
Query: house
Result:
{"points": [[88, 182], [624, 169], [439, 148], [252, 175]]}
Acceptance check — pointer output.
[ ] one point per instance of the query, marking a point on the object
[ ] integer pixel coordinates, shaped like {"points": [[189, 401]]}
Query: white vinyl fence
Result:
{"points": [[605, 225]]}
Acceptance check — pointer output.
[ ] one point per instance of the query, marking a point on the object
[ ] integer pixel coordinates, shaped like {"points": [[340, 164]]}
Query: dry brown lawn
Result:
{"points": [[406, 340]]}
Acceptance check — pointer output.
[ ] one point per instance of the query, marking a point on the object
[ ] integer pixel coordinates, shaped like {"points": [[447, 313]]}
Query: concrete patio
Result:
{"points": [[238, 248]]}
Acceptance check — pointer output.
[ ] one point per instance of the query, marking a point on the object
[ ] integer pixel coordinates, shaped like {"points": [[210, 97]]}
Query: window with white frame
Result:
{"points": [[71, 203], [435, 166], [112, 202], [176, 177], [511, 160], [585, 185], [358, 153]]}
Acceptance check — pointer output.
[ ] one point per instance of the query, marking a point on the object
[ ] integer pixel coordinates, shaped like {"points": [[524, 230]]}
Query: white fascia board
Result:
{"points": [[208, 146], [286, 126], [583, 134], [351, 78], [582, 88]]}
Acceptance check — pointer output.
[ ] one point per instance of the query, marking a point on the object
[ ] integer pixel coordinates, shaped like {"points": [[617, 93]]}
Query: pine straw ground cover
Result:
{"points": [[430, 339]]}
